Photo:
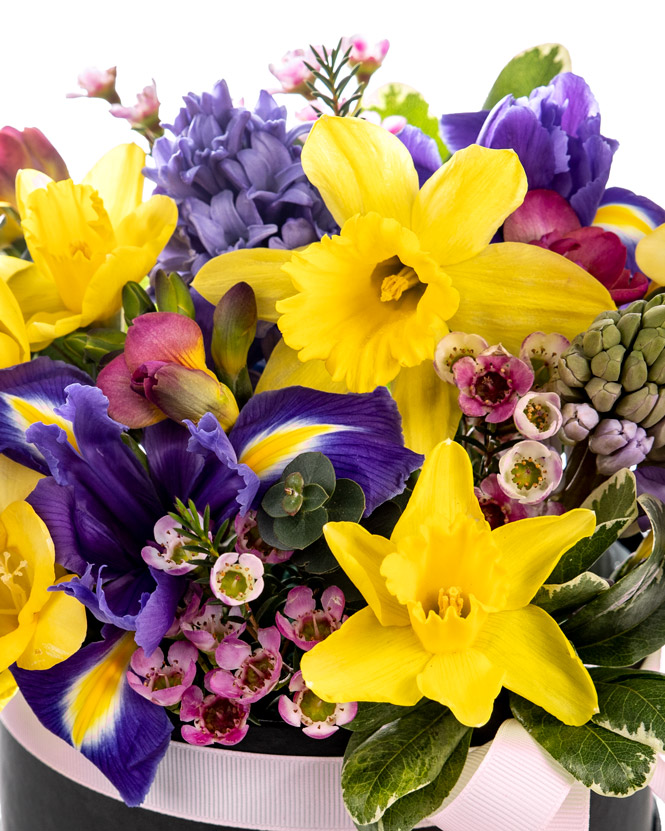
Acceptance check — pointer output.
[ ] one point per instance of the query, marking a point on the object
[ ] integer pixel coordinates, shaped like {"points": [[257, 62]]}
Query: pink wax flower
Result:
{"points": [[256, 672], [497, 507], [538, 415], [171, 555], [188, 605], [292, 73], [97, 83], [451, 348], [144, 115], [237, 579], [161, 682], [249, 541], [546, 219], [319, 719], [529, 472], [542, 352], [206, 626], [368, 57], [217, 720], [392, 123], [308, 625], [491, 383]]}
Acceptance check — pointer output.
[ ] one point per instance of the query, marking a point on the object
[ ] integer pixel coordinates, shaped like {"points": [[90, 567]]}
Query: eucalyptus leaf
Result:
{"points": [[604, 761], [315, 468], [383, 519], [347, 504], [615, 506], [300, 530], [317, 558], [400, 99], [314, 497], [272, 502], [561, 597], [530, 69], [401, 757]]}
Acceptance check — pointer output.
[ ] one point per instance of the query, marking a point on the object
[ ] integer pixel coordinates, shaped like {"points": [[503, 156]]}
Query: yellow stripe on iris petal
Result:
{"points": [[270, 453], [92, 701], [35, 414], [623, 217]]}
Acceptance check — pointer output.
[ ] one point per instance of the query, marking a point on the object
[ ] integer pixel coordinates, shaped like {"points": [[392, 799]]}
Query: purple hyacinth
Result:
{"points": [[556, 134], [237, 179]]}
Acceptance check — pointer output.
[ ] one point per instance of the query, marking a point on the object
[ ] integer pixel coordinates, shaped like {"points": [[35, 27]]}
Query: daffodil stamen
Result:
{"points": [[9, 579], [394, 285], [451, 598]]}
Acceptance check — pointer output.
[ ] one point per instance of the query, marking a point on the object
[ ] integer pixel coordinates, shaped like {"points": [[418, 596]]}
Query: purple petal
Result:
{"points": [[423, 149], [459, 130]]}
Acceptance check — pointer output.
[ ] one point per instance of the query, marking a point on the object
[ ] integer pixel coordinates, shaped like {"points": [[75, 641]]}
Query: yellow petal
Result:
{"points": [[444, 490], [261, 268], [149, 225], [428, 406], [650, 255], [16, 481], [8, 688], [359, 167], [467, 682], [118, 179], [44, 327], [59, 633], [540, 664], [459, 208], [28, 180], [284, 369], [512, 289], [360, 554], [34, 290], [530, 548], [14, 347], [364, 661]]}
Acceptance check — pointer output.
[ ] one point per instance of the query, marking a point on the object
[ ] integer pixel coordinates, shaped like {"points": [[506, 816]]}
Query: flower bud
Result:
{"points": [[144, 115], [135, 301], [578, 421], [574, 369], [638, 405], [529, 472], [234, 330], [619, 444], [97, 83], [367, 58], [172, 294], [26, 148], [603, 394], [451, 348], [537, 415], [292, 73]]}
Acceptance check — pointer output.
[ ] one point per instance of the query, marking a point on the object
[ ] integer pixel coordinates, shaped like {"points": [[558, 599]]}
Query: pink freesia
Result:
{"points": [[243, 673], [237, 579], [161, 682], [491, 383], [26, 148], [217, 720], [308, 625], [97, 83], [249, 541], [319, 719]]}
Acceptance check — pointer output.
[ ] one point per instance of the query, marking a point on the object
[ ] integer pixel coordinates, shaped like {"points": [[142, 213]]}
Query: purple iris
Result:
{"points": [[556, 134], [237, 179]]}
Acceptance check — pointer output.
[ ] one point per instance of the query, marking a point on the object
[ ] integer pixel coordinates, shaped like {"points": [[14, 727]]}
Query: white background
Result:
{"points": [[450, 51]]}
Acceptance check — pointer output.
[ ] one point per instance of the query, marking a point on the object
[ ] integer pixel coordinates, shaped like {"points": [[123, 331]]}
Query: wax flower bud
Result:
{"points": [[293, 74], [529, 472], [368, 58], [97, 83]]}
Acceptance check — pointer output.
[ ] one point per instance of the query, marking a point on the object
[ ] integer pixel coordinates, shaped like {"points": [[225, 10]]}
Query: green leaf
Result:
{"points": [[372, 715], [605, 762], [347, 504], [400, 758], [314, 497], [404, 814], [315, 468], [399, 99], [614, 503], [300, 530], [632, 704], [383, 519], [630, 646], [560, 597], [273, 499], [630, 600], [530, 69]]}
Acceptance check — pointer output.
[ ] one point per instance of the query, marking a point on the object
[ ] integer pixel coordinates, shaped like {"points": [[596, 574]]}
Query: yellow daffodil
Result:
{"points": [[86, 241], [449, 614], [14, 346], [38, 628], [407, 266], [650, 255]]}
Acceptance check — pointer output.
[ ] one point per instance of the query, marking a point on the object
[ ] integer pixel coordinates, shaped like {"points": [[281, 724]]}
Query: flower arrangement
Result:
{"points": [[356, 425]]}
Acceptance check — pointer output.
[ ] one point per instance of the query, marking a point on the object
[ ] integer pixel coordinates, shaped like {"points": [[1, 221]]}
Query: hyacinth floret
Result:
{"points": [[236, 176]]}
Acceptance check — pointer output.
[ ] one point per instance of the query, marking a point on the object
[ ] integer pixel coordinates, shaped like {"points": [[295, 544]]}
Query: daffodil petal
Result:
{"points": [[149, 225], [44, 327], [16, 481], [444, 490], [34, 290], [8, 688], [59, 632], [14, 347], [512, 289], [530, 548], [284, 369], [428, 406], [467, 682], [29, 536], [459, 208], [359, 167], [118, 179], [650, 255], [28, 180], [364, 661], [261, 268], [540, 664], [360, 554]]}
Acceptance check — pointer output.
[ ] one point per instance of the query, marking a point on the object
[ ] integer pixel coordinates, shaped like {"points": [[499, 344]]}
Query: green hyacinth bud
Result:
{"points": [[634, 372], [637, 405], [603, 394], [574, 369], [607, 364]]}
